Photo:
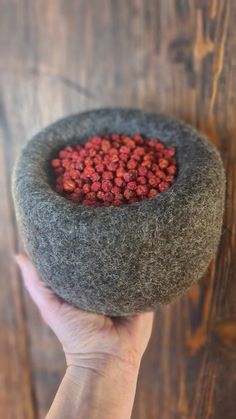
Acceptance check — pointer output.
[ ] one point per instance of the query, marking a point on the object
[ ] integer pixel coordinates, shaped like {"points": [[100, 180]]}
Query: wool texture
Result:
{"points": [[132, 258]]}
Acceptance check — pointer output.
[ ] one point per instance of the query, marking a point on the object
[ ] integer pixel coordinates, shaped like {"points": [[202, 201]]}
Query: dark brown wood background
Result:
{"points": [[177, 56]]}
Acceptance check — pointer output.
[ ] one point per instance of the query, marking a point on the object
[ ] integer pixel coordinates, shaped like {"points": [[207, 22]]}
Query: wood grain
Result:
{"points": [[59, 57]]}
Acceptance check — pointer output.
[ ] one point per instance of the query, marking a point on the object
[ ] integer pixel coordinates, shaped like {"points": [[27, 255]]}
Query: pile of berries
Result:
{"points": [[114, 170]]}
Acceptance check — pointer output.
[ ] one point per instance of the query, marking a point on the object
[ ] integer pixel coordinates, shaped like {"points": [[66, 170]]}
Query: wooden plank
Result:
{"points": [[170, 56], [194, 349], [16, 398], [43, 350]]}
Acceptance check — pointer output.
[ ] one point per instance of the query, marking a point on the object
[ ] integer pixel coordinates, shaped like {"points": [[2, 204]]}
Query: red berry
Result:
{"points": [[136, 157], [83, 152], [138, 139], [108, 196], [160, 174], [88, 171], [63, 154], [119, 182], [106, 159], [155, 167], [83, 176], [151, 142], [128, 194], [132, 186], [74, 174], [92, 152], [152, 192], [120, 172], [75, 155], [150, 174], [139, 151], [69, 148], [163, 163], [88, 145], [86, 188], [132, 164], [154, 181], [88, 161], [107, 175], [163, 186], [69, 185], [171, 169], [127, 177], [113, 151], [100, 195], [148, 156], [170, 151], [91, 196], [141, 190], [133, 200], [142, 180], [60, 179], [158, 146], [95, 177], [59, 170], [78, 191], [112, 167], [66, 163], [59, 188], [124, 157], [96, 140], [147, 163], [106, 186], [129, 142], [105, 145], [79, 182], [97, 159], [130, 175], [115, 137], [116, 190], [169, 178], [142, 171], [66, 176], [117, 202], [114, 158], [119, 196], [79, 166], [56, 163], [96, 186], [100, 168], [124, 149]]}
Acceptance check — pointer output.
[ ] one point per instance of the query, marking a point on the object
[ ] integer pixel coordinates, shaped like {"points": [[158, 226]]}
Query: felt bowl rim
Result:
{"points": [[36, 172]]}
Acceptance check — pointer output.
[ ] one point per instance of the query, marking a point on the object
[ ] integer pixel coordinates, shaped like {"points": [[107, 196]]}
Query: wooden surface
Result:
{"points": [[62, 56]]}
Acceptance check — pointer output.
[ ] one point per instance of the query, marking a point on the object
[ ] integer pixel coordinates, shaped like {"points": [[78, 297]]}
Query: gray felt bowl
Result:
{"points": [[127, 259]]}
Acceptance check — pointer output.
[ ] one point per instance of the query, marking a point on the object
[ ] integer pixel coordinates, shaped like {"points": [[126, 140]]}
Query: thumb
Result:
{"points": [[44, 298]]}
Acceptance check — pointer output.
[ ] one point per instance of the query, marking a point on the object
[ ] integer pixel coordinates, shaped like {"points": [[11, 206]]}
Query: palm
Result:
{"points": [[83, 334]]}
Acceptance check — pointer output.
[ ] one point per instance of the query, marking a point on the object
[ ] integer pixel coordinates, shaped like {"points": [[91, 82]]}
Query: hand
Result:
{"points": [[88, 339]]}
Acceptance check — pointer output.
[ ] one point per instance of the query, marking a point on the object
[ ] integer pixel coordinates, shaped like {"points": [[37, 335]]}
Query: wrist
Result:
{"points": [[109, 389], [106, 366], [104, 363]]}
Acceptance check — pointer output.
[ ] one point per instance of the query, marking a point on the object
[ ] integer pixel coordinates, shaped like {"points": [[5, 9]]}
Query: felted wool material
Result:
{"points": [[127, 259]]}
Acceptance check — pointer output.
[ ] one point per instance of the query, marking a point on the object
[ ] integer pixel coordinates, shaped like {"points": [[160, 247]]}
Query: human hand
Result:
{"points": [[88, 339]]}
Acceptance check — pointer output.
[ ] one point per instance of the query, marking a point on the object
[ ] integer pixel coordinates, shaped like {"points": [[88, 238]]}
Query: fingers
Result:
{"points": [[140, 324], [41, 294], [145, 322]]}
